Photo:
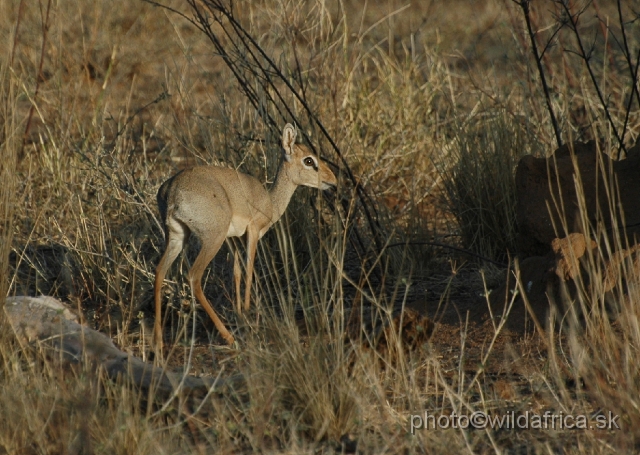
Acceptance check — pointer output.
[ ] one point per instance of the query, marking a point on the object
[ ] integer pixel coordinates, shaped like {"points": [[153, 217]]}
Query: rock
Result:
{"points": [[545, 278], [538, 208], [46, 322]]}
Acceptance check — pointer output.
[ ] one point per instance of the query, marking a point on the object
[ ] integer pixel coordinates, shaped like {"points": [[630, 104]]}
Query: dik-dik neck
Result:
{"points": [[281, 192]]}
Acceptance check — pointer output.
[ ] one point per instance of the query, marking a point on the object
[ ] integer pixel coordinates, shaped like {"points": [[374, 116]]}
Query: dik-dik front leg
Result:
{"points": [[252, 243]]}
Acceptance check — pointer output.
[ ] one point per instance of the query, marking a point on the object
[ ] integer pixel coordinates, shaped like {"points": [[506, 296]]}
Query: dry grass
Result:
{"points": [[431, 106]]}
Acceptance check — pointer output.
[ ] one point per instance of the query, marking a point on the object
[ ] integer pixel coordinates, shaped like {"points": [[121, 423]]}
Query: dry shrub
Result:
{"points": [[479, 182]]}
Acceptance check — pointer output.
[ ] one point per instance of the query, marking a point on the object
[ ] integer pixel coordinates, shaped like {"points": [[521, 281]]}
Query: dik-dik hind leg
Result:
{"points": [[175, 241], [210, 247]]}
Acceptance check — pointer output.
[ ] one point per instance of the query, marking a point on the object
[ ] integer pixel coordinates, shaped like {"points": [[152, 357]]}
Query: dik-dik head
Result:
{"points": [[302, 166]]}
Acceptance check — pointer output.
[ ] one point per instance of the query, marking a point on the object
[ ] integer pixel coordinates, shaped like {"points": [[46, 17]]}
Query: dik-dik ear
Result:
{"points": [[288, 140]]}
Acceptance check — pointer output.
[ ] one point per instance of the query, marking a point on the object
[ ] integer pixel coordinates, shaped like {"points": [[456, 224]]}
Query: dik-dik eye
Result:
{"points": [[310, 162]]}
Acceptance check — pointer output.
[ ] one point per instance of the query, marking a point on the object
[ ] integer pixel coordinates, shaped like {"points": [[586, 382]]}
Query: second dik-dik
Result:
{"points": [[214, 203]]}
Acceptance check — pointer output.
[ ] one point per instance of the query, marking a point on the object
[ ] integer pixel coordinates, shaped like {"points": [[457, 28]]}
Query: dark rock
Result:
{"points": [[552, 279], [546, 189]]}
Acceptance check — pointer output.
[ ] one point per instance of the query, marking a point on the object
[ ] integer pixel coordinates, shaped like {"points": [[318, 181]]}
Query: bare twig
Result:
{"points": [[633, 72], [572, 21], [634, 85], [627, 55], [524, 4]]}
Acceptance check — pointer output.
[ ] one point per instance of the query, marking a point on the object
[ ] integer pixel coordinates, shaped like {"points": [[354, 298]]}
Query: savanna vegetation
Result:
{"points": [[422, 109]]}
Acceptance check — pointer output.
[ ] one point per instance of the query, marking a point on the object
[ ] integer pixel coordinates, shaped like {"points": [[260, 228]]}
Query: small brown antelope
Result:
{"points": [[218, 202]]}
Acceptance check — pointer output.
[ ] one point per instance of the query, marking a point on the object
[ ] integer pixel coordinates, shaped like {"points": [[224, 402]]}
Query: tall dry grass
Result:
{"points": [[424, 106], [9, 143]]}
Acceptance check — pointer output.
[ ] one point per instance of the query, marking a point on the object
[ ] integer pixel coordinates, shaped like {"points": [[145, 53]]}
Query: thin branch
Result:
{"points": [[634, 84], [633, 71], [550, 40], [627, 54], [573, 25], [524, 4]]}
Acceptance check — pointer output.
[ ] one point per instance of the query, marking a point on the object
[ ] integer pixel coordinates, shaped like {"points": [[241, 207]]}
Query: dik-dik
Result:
{"points": [[214, 203]]}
